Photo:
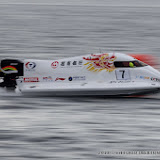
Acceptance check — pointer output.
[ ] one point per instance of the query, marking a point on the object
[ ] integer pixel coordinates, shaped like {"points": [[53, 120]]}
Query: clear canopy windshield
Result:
{"points": [[135, 63]]}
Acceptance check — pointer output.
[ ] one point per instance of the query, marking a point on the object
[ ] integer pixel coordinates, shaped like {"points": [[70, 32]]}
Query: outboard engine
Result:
{"points": [[10, 70]]}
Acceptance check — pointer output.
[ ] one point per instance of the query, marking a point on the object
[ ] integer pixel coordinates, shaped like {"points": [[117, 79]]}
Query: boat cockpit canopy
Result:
{"points": [[131, 64]]}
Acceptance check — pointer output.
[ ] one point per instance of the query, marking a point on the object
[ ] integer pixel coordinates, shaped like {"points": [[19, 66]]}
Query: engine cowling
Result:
{"points": [[10, 70]]}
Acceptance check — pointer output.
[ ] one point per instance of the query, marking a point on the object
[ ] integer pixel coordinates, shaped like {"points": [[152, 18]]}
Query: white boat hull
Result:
{"points": [[89, 89]]}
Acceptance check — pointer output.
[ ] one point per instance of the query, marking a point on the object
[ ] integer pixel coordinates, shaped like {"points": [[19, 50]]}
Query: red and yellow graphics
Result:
{"points": [[97, 63], [9, 68]]}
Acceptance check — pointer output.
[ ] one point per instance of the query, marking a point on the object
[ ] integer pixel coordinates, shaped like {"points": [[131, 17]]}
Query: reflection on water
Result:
{"points": [[70, 128], [77, 128]]}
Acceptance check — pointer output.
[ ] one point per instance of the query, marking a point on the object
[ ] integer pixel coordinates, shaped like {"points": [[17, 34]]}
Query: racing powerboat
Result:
{"points": [[102, 74]]}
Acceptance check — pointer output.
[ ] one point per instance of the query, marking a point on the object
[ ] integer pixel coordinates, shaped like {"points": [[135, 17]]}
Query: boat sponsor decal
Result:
{"points": [[68, 64], [70, 78], [30, 66], [31, 79], [60, 79], [32, 86], [9, 68], [80, 62], [47, 79], [142, 77], [155, 79], [77, 78], [55, 64], [121, 81], [97, 63], [13, 64], [148, 78], [63, 63]]}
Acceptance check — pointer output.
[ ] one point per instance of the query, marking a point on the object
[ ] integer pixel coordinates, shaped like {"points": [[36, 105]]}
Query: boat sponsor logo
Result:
{"points": [[31, 79], [70, 78], [55, 64], [47, 79], [98, 63], [121, 81], [148, 78], [68, 64], [142, 77], [14, 64], [9, 68], [32, 86], [30, 66], [155, 79], [77, 78], [60, 79]]}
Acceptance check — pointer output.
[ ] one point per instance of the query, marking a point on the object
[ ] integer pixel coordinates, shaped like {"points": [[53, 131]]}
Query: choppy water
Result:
{"points": [[77, 128]]}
